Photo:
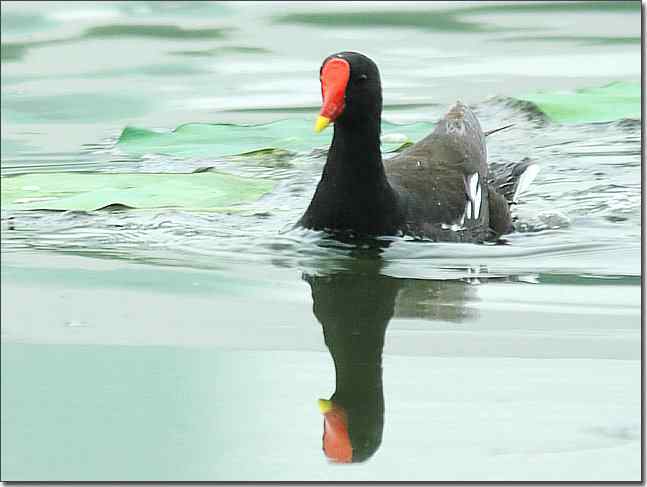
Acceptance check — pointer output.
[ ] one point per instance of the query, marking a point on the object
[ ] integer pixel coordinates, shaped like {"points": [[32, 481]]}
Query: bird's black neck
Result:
{"points": [[354, 158], [354, 193]]}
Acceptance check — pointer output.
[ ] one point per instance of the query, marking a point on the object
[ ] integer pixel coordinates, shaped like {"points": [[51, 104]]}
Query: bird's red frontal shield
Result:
{"points": [[334, 79]]}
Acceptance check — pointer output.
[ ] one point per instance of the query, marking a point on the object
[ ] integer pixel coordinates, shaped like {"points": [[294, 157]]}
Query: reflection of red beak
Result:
{"points": [[334, 79], [336, 441]]}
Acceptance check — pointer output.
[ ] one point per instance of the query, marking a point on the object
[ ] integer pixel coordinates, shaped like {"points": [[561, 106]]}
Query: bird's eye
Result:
{"points": [[362, 77]]}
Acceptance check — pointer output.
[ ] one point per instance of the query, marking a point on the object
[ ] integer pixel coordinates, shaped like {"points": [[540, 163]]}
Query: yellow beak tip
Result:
{"points": [[324, 405], [321, 123]]}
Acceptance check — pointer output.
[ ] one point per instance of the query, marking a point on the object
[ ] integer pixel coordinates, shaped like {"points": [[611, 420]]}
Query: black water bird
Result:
{"points": [[439, 188]]}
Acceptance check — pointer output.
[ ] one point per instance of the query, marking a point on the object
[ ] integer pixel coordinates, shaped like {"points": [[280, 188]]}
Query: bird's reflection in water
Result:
{"points": [[354, 307]]}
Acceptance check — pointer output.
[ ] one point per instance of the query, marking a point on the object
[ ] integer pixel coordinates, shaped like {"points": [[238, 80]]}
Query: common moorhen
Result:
{"points": [[439, 188]]}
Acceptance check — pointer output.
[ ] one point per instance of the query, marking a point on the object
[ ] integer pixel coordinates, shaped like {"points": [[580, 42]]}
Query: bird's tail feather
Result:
{"points": [[513, 179]]}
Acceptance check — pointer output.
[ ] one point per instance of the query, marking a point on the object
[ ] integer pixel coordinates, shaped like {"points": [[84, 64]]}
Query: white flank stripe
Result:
{"points": [[473, 182], [477, 203]]}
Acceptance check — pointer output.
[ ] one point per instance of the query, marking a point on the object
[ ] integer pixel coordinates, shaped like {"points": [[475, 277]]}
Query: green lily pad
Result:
{"points": [[218, 140], [614, 101], [210, 191]]}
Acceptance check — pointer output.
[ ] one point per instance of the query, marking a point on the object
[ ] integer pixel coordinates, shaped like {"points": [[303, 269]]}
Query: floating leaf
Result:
{"points": [[209, 190], [277, 138], [614, 101]]}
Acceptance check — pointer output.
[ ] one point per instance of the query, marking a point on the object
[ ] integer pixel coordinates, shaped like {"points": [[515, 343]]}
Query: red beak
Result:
{"points": [[334, 79]]}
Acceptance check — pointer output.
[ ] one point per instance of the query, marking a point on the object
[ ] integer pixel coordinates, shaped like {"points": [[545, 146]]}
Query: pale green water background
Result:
{"points": [[177, 341]]}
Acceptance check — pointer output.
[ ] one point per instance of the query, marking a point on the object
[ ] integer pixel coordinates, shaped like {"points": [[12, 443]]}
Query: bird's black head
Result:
{"points": [[351, 91]]}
